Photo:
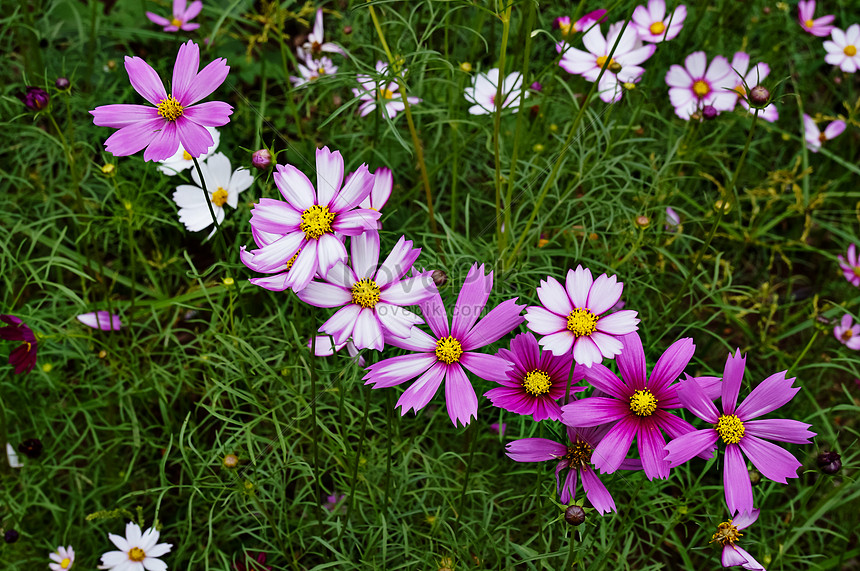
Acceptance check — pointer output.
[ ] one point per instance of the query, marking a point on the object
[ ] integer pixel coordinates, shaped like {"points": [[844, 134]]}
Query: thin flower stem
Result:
{"points": [[803, 353], [473, 440], [5, 468], [209, 205], [79, 199], [358, 447], [505, 17], [569, 381], [388, 437], [571, 549], [315, 428]]}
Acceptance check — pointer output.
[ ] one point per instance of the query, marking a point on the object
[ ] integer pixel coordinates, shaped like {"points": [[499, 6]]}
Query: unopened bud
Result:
{"points": [[574, 515], [537, 86], [695, 116], [614, 67], [230, 461], [755, 477], [538, 148], [11, 536], [643, 221], [709, 112], [440, 278], [829, 462], [31, 448], [347, 30], [759, 96], [466, 66], [62, 83], [109, 169], [261, 159]]}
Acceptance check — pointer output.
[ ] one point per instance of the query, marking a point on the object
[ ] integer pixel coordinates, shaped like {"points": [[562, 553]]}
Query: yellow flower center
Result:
{"points": [[316, 221], [856, 270], [537, 383], [176, 22], [643, 403], [293, 259], [850, 51], [602, 60], [727, 534], [581, 322], [701, 88], [657, 28], [846, 335], [578, 454], [448, 350], [170, 108], [365, 293], [385, 94], [564, 28], [136, 554], [219, 197], [740, 90], [186, 156], [730, 428], [64, 564], [320, 71], [809, 23]]}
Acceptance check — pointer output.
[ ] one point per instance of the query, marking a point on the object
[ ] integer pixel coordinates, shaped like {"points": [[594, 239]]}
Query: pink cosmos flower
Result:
{"points": [[332, 502], [567, 30], [443, 356], [311, 69], [181, 16], [843, 48], [483, 92], [371, 295], [304, 227], [728, 533], [383, 183], [23, 357], [175, 118], [571, 316], [536, 381], [851, 266], [741, 434], [324, 346], [652, 24], [751, 78], [380, 92], [623, 67], [699, 84], [814, 137], [315, 43], [576, 457], [818, 27], [672, 220], [101, 320], [636, 405], [848, 333]]}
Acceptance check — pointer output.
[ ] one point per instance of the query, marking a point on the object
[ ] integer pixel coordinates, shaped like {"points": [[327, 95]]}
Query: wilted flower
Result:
{"points": [[181, 16], [728, 534]]}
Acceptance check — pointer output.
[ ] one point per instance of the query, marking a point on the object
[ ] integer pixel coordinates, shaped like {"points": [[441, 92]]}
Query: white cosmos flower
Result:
{"points": [[137, 551], [483, 92], [223, 185], [62, 558], [181, 160]]}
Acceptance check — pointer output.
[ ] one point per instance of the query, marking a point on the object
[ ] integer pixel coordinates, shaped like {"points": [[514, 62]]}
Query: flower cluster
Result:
{"points": [[312, 64], [137, 551]]}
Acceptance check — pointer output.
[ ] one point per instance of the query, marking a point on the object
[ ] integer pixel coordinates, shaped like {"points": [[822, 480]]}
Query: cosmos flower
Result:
{"points": [[741, 434], [818, 27], [751, 77], [316, 44], [652, 22], [377, 91], [324, 346], [848, 333], [567, 30], [100, 320], [622, 68], [814, 137], [572, 316], [536, 381], [371, 295], [181, 16], [223, 186], [851, 266], [23, 357], [181, 160], [62, 558], [383, 183], [444, 355], [174, 119], [311, 69], [296, 239], [35, 98], [843, 47], [698, 84], [137, 551], [728, 534], [673, 221], [483, 92], [258, 563]]}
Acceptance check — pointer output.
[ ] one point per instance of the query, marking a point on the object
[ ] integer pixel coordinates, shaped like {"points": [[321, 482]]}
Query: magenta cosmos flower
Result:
{"points": [[483, 92], [848, 333], [444, 355], [623, 67], [377, 91], [23, 357], [536, 381], [815, 137], [746, 77], [698, 84], [576, 457], [102, 320], [728, 534], [741, 434], [817, 27], [636, 404], [175, 118], [567, 29], [851, 266], [371, 295], [652, 24], [843, 48], [181, 16], [572, 316], [304, 227]]}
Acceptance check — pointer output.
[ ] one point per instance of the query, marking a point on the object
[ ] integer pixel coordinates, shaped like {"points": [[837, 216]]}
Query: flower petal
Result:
{"points": [[422, 390], [144, 80], [596, 492], [593, 411], [736, 480], [535, 450], [769, 395], [471, 300], [610, 452], [500, 321], [684, 447], [774, 462], [782, 429], [733, 375]]}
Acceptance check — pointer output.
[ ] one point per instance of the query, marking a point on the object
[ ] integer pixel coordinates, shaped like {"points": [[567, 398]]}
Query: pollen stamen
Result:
{"points": [[136, 554], [578, 454], [365, 293], [316, 221], [850, 50], [643, 403], [170, 108], [448, 350], [537, 383], [581, 322], [730, 428], [727, 534], [219, 197], [657, 28], [701, 88]]}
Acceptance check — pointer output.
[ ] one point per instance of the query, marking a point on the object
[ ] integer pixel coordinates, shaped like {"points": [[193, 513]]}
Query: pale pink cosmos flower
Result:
{"points": [[843, 48], [175, 118], [450, 351], [316, 43], [567, 29], [751, 77], [483, 92], [848, 332], [815, 137], [572, 316], [654, 25], [698, 84], [62, 559], [851, 266], [378, 91], [728, 534], [181, 16], [622, 68], [304, 235], [817, 27], [102, 320], [311, 69], [673, 220], [181, 160]]}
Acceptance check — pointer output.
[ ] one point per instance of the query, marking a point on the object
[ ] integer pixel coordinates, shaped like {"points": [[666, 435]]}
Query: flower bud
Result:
{"points": [[643, 221], [11, 536], [440, 278], [466, 66], [759, 96], [614, 67], [695, 116], [709, 112], [35, 98], [62, 83], [574, 515], [755, 477], [31, 448], [230, 461], [347, 30], [261, 159], [536, 86], [829, 462]]}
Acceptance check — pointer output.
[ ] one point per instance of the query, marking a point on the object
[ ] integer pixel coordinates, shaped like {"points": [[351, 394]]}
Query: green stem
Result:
{"points": [[473, 441], [4, 465], [209, 205], [571, 549], [361, 434], [803, 353], [314, 428], [505, 17], [72, 168]]}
